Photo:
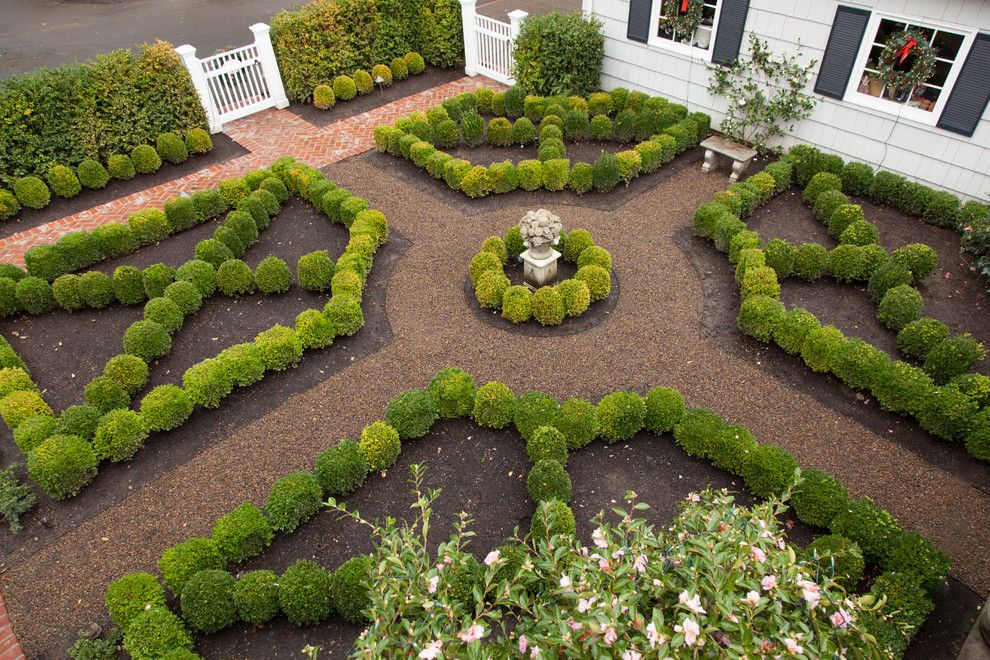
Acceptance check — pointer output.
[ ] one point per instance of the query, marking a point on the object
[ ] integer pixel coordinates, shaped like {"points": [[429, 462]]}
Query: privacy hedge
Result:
{"points": [[105, 106], [324, 39], [559, 53]]}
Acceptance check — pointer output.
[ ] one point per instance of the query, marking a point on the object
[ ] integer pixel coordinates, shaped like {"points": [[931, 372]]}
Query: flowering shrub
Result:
{"points": [[721, 576]]}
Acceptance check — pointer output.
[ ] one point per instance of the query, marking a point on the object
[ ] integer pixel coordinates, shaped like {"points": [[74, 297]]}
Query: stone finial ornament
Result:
{"points": [[540, 230]]}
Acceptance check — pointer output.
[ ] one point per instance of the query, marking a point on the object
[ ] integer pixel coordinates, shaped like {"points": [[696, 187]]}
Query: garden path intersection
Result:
{"points": [[653, 337]]}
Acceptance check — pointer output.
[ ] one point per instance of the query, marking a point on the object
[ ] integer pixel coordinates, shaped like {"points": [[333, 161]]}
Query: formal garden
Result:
{"points": [[514, 379]]}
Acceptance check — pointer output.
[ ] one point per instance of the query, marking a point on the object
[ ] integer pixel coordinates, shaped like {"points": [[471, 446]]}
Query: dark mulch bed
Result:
{"points": [[407, 172], [429, 78], [482, 472], [597, 313], [953, 293], [91, 338], [223, 150], [719, 312]]}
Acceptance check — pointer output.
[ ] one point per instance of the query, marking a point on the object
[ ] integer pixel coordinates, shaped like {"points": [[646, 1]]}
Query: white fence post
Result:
{"points": [[188, 55], [266, 53], [516, 17], [470, 37]]}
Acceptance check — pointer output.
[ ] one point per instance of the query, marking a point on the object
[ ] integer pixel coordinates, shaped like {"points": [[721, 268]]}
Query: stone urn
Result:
{"points": [[540, 231]]}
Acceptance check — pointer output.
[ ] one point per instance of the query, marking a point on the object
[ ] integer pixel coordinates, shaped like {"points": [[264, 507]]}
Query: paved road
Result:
{"points": [[37, 33]]}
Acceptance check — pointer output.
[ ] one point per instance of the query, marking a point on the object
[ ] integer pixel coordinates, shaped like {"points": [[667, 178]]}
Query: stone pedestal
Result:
{"points": [[540, 272]]}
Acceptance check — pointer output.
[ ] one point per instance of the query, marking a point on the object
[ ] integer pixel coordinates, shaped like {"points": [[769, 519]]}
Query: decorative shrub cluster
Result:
{"points": [[346, 87]]}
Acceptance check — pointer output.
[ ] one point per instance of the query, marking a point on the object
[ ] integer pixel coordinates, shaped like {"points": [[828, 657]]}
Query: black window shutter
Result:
{"points": [[731, 24], [842, 50], [971, 92], [640, 14]]}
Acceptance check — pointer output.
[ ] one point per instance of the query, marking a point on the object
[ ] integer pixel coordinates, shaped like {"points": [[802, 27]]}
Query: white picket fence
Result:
{"points": [[488, 43], [238, 82]]}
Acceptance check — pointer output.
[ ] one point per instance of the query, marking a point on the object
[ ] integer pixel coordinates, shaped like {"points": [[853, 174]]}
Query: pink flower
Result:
{"points": [[690, 629], [840, 619], [758, 554], [640, 564], [491, 557], [523, 643], [693, 602], [574, 625], [610, 635], [431, 650], [472, 634], [793, 646], [769, 582], [810, 592], [431, 584], [693, 497], [565, 582], [604, 565], [631, 655], [585, 604], [752, 598], [598, 536], [534, 652]]}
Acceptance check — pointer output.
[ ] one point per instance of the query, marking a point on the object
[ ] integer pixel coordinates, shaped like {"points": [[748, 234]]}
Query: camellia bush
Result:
{"points": [[720, 577], [559, 54]]}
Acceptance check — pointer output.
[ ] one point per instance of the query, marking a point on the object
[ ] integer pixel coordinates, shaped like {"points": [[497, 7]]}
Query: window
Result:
{"points": [[924, 101], [668, 30]]}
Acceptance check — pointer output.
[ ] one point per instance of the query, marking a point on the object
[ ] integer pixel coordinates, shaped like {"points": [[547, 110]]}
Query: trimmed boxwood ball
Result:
{"points": [[819, 498], [548, 480], [14, 379], [12, 272], [380, 445], [8, 297], [119, 435], [256, 597], [363, 81], [547, 443], [547, 306], [208, 601], [182, 214], [759, 315], [946, 412], [79, 420], [350, 586], [92, 174], [34, 430], [202, 274], [494, 405], [235, 278], [62, 465], [198, 141], [399, 69], [856, 178], [621, 415], [826, 204], [415, 63], [822, 347], [918, 258], [819, 183], [132, 594], [275, 186], [34, 295], [809, 261], [273, 276], [551, 518], [148, 226], [96, 289], [860, 232], [769, 470], [346, 283], [121, 167], [664, 409], [912, 554], [341, 469], [145, 159], [500, 132], [231, 239], [241, 364], [953, 356], [128, 285], [314, 329], [780, 256], [166, 407], [899, 306], [243, 533], [598, 280], [344, 311], [412, 414], [533, 410], [344, 88], [18, 406], [483, 262], [171, 148], [323, 97], [577, 242], [836, 557], [280, 348], [595, 256], [155, 633], [888, 275], [65, 290], [730, 446], [63, 181], [304, 593], [577, 420], [164, 312], [233, 190], [114, 240], [530, 174], [454, 391], [790, 330], [294, 499], [575, 296], [185, 295], [315, 271], [846, 263], [870, 526], [32, 192], [105, 395], [147, 340]]}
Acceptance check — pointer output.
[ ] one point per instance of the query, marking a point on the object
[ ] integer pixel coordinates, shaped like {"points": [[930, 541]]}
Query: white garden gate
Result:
{"points": [[488, 43], [238, 82]]}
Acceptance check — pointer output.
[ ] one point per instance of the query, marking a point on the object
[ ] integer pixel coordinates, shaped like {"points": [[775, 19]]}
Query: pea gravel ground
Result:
{"points": [[653, 337]]}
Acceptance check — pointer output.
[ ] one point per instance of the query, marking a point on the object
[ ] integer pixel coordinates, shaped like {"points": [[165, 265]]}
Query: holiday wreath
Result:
{"points": [[907, 59], [682, 16]]}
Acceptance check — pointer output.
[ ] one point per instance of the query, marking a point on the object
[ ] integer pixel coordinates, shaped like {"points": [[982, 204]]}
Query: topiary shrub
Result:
{"points": [[314, 329], [96, 289], [844, 216], [166, 313], [780, 256], [600, 127], [664, 409], [530, 173], [827, 203], [145, 159], [940, 208], [121, 167], [207, 383], [233, 190], [208, 601], [279, 348], [846, 263], [65, 290], [886, 276], [819, 183], [185, 296], [344, 88], [9, 206], [148, 226], [380, 445], [349, 589], [415, 63], [697, 431], [577, 420], [494, 405], [769, 470], [868, 525], [412, 414], [606, 173], [32, 192], [62, 464], [315, 271], [575, 295], [476, 182], [556, 173], [323, 97], [147, 340], [294, 499], [836, 558], [915, 556], [201, 274], [105, 394], [272, 276], [129, 596], [551, 518], [155, 633], [454, 392], [242, 533], [344, 312], [63, 181], [899, 306], [548, 480], [34, 295], [819, 498], [235, 278], [171, 148], [953, 356], [860, 233], [18, 406], [809, 261], [119, 435], [78, 420], [547, 443], [165, 407], [92, 174], [918, 258], [256, 597], [621, 415], [946, 412], [759, 315], [516, 304], [759, 281], [547, 307], [597, 279], [33, 431], [198, 141], [595, 256], [341, 469], [128, 285], [533, 410], [304, 593]]}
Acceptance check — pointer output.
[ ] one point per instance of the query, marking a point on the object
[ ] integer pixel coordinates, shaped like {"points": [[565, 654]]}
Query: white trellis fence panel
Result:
{"points": [[238, 82], [488, 43]]}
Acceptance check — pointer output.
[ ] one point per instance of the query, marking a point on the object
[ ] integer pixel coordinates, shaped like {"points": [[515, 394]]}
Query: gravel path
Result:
{"points": [[653, 337]]}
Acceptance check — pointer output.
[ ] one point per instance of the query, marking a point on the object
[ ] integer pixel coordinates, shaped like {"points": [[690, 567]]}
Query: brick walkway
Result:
{"points": [[266, 135]]}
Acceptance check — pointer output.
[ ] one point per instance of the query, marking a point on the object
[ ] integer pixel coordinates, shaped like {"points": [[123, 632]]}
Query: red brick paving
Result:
{"points": [[266, 135]]}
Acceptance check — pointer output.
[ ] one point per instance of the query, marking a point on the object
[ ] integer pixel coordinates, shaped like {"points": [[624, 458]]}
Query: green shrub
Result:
{"points": [[147, 340], [233, 190], [242, 224], [323, 97], [860, 232], [769, 470], [846, 263], [155, 633], [272, 275], [517, 304], [341, 469], [9, 206], [207, 383], [547, 306], [34, 295], [977, 438], [600, 127], [595, 256], [551, 518], [976, 387], [171, 148], [556, 172], [547, 443], [836, 558], [105, 394], [575, 296], [45, 261], [781, 172], [940, 208], [454, 392], [92, 174], [65, 290], [349, 590], [500, 132], [128, 285], [121, 167], [256, 597], [344, 311], [63, 181], [208, 601], [760, 281], [148, 226], [899, 306], [476, 182], [621, 415], [165, 407], [412, 414], [79, 249], [827, 203], [33, 431], [294, 499], [730, 445], [868, 525], [62, 464], [664, 409], [145, 159], [96, 289], [606, 173], [344, 87], [8, 297], [415, 63], [198, 141], [119, 435], [857, 178], [902, 388], [304, 593], [598, 280], [380, 445], [533, 410], [235, 278], [953, 356], [185, 296], [577, 420], [915, 556], [887, 276], [314, 329], [166, 313], [494, 405], [946, 412], [20, 405], [548, 480], [819, 183], [129, 596], [530, 173], [918, 258], [759, 315], [887, 187], [242, 533], [315, 271], [202, 274], [279, 348], [32, 192], [78, 420], [819, 498], [821, 348], [780, 257]]}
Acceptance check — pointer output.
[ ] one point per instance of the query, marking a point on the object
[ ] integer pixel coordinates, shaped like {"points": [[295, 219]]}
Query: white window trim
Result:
{"points": [[677, 47], [930, 118]]}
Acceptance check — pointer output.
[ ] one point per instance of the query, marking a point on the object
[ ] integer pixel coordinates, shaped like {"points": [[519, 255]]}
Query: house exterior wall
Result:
{"points": [[919, 151]]}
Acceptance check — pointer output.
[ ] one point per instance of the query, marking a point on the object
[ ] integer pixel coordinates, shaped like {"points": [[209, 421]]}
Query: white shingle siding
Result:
{"points": [[931, 155]]}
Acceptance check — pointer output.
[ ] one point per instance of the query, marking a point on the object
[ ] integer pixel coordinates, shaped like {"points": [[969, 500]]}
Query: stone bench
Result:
{"points": [[739, 154]]}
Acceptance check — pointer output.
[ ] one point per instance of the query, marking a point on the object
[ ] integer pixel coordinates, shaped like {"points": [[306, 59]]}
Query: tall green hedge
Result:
{"points": [[326, 38], [105, 106], [559, 53]]}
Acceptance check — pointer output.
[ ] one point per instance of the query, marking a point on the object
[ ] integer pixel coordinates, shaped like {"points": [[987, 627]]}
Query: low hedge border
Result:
{"points": [[658, 129], [345, 88], [952, 410], [64, 181], [549, 305], [64, 468], [550, 431]]}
